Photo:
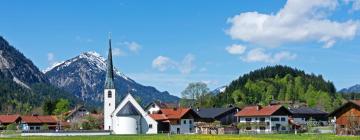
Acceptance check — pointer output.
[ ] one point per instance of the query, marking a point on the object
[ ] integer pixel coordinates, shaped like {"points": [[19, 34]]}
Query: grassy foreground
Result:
{"points": [[198, 137]]}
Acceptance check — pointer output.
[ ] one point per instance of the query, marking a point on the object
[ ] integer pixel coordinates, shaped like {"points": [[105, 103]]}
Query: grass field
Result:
{"points": [[199, 137]]}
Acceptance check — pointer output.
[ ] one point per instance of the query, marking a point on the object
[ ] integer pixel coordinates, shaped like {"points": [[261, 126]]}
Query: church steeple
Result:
{"points": [[109, 81]]}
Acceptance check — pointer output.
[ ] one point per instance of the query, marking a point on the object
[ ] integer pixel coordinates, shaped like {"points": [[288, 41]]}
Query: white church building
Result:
{"points": [[128, 117]]}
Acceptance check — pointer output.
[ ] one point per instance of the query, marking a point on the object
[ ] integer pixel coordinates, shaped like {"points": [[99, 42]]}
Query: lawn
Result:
{"points": [[199, 137]]}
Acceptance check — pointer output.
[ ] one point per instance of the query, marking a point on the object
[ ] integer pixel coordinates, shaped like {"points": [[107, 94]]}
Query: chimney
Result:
{"points": [[258, 107]]}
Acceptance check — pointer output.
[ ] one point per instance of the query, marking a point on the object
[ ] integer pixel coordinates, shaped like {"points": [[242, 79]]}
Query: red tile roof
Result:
{"points": [[338, 110], [9, 118], [170, 114], [39, 119], [158, 116], [254, 111], [47, 119], [356, 102]]}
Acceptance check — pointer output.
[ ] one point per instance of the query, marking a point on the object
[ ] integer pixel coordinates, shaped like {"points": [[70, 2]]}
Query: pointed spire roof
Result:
{"points": [[109, 81]]}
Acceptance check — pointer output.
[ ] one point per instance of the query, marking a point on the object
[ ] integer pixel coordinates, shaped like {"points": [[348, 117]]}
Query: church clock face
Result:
{"points": [[109, 94]]}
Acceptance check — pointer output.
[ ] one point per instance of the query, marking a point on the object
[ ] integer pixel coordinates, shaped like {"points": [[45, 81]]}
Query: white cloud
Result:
{"points": [[355, 4], [163, 63], [187, 64], [131, 46], [259, 55], [51, 59], [210, 82], [118, 52], [297, 21], [50, 56], [235, 49]]}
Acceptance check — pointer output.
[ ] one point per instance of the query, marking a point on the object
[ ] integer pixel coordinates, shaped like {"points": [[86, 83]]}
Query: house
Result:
{"points": [[175, 120], [77, 114], [264, 119], [224, 115], [213, 119], [303, 115], [35, 122], [347, 118], [8, 119], [128, 117], [155, 106]]}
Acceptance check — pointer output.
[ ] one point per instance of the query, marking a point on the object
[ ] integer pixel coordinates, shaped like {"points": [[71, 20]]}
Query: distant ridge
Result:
{"points": [[352, 89]]}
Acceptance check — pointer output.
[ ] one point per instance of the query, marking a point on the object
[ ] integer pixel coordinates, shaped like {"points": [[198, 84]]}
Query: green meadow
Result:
{"points": [[198, 137]]}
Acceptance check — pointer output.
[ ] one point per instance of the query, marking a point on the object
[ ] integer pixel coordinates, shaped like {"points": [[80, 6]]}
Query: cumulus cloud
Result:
{"points": [[118, 52], [235, 49], [187, 64], [132, 46], [163, 63], [297, 21], [259, 55]]}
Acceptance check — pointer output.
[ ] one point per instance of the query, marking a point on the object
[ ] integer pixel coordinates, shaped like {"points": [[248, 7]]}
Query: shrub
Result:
{"points": [[12, 126]]}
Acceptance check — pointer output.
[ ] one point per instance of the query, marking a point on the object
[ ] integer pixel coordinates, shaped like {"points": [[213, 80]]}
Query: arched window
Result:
{"points": [[109, 94]]}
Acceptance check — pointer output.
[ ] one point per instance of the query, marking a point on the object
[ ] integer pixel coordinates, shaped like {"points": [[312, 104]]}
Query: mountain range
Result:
{"points": [[80, 79], [84, 77], [352, 89]]}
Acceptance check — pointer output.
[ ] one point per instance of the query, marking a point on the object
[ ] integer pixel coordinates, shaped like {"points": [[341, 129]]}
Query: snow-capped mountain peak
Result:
{"points": [[219, 90], [91, 57]]}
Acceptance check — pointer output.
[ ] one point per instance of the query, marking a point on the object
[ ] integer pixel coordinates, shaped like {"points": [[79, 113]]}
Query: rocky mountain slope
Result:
{"points": [[14, 65], [22, 86], [84, 76]]}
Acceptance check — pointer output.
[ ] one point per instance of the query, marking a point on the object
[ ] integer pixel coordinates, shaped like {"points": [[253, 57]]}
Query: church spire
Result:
{"points": [[109, 81]]}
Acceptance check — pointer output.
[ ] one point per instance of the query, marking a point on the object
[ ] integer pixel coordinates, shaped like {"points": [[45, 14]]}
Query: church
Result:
{"points": [[128, 117]]}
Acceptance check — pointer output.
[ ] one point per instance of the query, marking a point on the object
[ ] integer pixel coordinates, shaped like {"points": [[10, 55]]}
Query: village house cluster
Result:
{"points": [[129, 117]]}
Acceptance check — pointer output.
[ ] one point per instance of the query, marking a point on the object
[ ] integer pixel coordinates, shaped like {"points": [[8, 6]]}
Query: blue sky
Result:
{"points": [[168, 44]]}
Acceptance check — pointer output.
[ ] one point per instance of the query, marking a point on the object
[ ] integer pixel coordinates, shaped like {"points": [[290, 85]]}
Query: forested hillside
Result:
{"points": [[23, 88], [18, 99], [281, 83]]}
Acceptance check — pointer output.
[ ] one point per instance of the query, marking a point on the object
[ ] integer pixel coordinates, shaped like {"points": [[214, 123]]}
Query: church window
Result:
{"points": [[109, 94], [150, 125]]}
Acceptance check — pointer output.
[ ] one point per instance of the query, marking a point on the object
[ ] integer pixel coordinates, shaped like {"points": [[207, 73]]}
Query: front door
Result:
{"points": [[178, 130]]}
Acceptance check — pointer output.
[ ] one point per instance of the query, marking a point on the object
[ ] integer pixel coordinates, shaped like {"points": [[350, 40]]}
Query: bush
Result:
{"points": [[12, 126], [44, 127]]}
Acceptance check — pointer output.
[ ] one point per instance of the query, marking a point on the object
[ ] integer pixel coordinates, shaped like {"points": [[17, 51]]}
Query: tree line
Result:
{"points": [[273, 83]]}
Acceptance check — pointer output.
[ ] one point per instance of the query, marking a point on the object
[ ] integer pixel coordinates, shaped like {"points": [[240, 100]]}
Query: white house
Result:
{"points": [[266, 119], [176, 120], [155, 106], [129, 117]]}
